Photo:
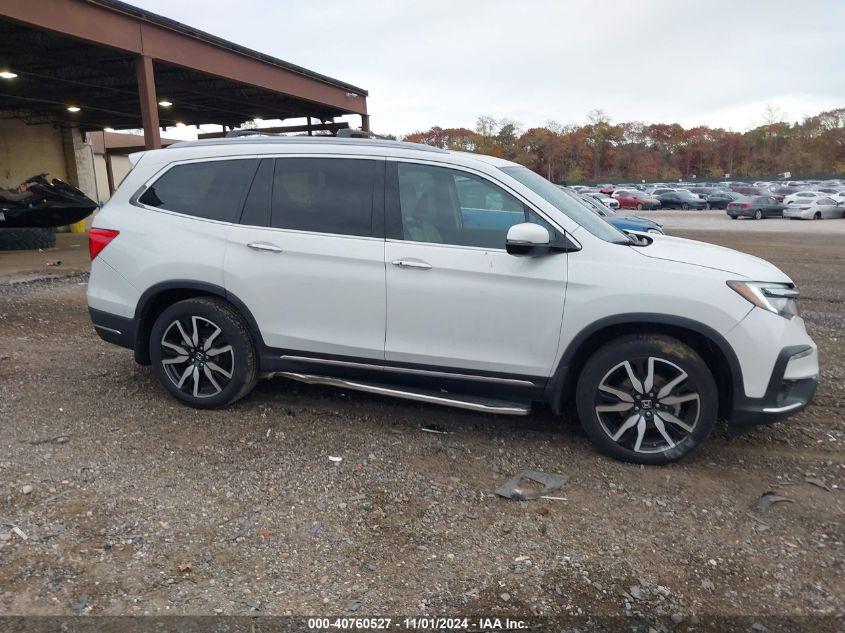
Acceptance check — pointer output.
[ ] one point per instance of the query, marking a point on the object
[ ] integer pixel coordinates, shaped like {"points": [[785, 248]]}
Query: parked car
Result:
{"points": [[610, 203], [757, 207], [351, 262], [746, 190], [720, 199], [802, 197], [659, 191], [815, 209], [634, 199], [681, 199], [624, 222], [606, 189]]}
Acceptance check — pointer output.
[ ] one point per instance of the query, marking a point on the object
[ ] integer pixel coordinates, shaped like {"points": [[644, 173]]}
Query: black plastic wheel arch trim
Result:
{"points": [[555, 386], [146, 299]]}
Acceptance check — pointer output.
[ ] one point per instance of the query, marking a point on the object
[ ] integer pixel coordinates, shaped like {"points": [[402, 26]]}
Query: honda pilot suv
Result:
{"points": [[442, 277]]}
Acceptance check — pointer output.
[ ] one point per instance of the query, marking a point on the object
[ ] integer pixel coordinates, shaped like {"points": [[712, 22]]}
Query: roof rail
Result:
{"points": [[273, 139], [254, 132]]}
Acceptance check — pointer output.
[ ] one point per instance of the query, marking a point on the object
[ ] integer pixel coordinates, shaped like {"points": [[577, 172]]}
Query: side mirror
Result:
{"points": [[528, 239]]}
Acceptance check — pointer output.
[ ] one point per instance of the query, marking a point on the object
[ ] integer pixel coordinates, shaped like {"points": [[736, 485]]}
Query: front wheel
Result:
{"points": [[202, 353], [646, 399]]}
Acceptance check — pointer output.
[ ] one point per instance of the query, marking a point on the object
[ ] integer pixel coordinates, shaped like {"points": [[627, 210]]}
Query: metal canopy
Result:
{"points": [[97, 55]]}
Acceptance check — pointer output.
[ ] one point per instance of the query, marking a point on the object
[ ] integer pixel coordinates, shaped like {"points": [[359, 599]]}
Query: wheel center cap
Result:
{"points": [[646, 403]]}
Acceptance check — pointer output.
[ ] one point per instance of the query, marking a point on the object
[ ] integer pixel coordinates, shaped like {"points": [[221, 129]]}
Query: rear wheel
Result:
{"points": [[758, 214], [639, 207], [202, 353], [684, 206], [646, 399], [817, 216]]}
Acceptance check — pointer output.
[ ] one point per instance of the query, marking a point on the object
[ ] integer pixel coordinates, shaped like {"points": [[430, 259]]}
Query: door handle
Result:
{"points": [[405, 263], [264, 246]]}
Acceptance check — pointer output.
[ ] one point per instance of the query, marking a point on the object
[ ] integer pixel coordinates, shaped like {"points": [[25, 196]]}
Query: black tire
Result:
{"points": [[208, 379], [27, 239], [758, 214], [671, 359], [817, 216], [684, 206], [734, 217]]}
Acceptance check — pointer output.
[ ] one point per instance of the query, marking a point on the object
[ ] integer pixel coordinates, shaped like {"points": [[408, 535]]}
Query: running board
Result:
{"points": [[473, 403]]}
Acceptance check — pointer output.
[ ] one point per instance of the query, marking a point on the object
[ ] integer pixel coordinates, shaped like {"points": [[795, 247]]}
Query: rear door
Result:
{"points": [[308, 256], [455, 298]]}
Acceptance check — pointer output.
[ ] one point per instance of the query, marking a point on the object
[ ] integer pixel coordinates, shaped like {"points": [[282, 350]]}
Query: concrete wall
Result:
{"points": [[79, 162], [26, 150]]}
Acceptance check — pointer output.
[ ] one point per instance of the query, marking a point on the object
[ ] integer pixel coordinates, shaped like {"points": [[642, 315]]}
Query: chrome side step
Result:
{"points": [[473, 403]]}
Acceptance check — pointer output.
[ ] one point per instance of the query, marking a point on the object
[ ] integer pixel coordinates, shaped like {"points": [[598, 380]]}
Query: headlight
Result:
{"points": [[781, 299]]}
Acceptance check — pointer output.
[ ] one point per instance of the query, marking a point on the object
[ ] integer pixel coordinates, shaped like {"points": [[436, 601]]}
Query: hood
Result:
{"points": [[676, 249]]}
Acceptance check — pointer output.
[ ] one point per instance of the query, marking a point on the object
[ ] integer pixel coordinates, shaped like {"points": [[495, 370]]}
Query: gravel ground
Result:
{"points": [[116, 500]]}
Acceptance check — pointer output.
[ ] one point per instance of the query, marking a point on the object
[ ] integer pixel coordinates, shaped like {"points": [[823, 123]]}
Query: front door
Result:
{"points": [[306, 258], [455, 298]]}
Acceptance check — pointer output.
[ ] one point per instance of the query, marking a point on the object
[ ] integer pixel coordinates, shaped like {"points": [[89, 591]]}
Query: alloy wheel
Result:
{"points": [[199, 363], [647, 405]]}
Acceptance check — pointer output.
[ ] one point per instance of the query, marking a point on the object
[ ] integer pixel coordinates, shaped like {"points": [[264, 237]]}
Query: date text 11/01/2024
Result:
{"points": [[423, 624]]}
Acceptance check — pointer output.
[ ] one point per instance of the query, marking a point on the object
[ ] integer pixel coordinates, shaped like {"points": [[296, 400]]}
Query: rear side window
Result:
{"points": [[212, 190], [325, 195]]}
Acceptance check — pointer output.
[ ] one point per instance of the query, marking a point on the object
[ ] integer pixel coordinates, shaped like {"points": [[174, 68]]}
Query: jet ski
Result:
{"points": [[42, 203]]}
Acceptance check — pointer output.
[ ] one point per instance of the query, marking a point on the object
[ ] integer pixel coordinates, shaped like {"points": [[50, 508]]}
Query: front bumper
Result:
{"points": [[788, 392]]}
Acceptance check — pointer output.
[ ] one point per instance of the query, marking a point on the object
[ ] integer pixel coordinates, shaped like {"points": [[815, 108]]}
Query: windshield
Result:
{"points": [[567, 204]]}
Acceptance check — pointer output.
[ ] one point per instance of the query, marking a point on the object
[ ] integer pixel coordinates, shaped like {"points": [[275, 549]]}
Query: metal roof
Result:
{"points": [[174, 25]]}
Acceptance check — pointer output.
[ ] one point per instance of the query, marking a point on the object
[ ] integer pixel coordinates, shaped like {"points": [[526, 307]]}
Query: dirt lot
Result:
{"points": [[123, 502]]}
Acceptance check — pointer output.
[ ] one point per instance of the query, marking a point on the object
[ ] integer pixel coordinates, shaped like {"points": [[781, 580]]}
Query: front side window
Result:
{"points": [[447, 206], [211, 189], [325, 195], [577, 212]]}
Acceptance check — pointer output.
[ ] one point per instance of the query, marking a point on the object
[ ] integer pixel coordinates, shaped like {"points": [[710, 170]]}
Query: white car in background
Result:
{"points": [[839, 196], [610, 203], [815, 209], [802, 197]]}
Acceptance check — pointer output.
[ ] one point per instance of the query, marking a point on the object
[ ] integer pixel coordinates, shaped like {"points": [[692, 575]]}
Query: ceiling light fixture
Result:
{"points": [[164, 103], [73, 109], [7, 74]]}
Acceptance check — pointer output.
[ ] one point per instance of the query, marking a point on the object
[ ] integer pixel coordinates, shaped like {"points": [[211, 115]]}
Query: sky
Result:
{"points": [[436, 62]]}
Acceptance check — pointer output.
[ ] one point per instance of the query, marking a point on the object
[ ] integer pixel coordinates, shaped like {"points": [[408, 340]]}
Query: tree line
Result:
{"points": [[601, 150]]}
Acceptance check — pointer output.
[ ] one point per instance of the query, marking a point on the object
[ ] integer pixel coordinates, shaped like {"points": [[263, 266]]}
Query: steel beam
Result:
{"points": [[148, 102]]}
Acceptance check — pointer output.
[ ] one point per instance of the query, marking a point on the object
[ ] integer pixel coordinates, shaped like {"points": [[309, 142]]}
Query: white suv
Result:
{"points": [[439, 276]]}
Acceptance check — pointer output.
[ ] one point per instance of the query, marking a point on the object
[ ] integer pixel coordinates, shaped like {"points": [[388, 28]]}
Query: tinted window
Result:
{"points": [[826, 201], [324, 195], [210, 189], [446, 206], [573, 209], [257, 206]]}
